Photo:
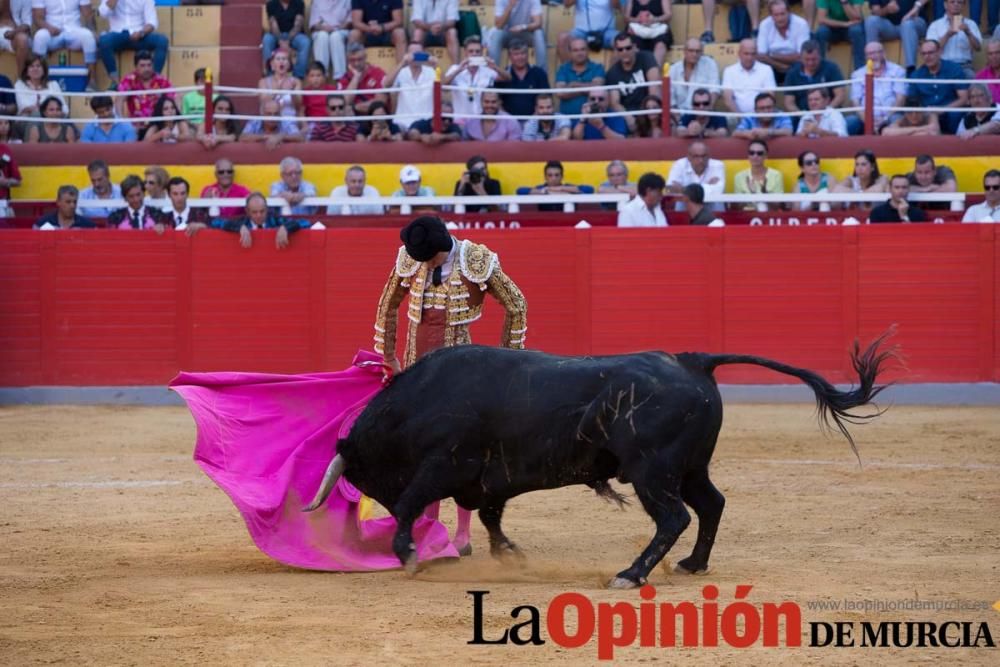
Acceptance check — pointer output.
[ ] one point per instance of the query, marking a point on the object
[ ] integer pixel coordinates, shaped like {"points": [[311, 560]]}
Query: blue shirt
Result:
{"points": [[828, 71], [566, 74], [714, 122], [753, 122], [7, 97], [938, 94], [616, 123], [93, 133], [89, 194]]}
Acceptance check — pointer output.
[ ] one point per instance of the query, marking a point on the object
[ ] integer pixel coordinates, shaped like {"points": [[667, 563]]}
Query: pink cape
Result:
{"points": [[267, 440]]}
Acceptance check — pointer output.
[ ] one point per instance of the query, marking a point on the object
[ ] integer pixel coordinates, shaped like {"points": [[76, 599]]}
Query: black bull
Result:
{"points": [[483, 425]]}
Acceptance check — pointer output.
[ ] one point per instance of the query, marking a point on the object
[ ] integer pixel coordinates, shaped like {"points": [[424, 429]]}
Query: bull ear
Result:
{"points": [[333, 473]]}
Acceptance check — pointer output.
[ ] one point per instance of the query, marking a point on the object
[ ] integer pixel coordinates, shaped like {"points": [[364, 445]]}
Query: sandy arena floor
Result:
{"points": [[117, 550]]}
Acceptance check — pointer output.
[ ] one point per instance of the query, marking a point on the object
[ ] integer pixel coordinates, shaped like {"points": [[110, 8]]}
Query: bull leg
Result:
{"points": [[707, 502], [500, 544], [421, 492], [664, 505], [463, 537]]}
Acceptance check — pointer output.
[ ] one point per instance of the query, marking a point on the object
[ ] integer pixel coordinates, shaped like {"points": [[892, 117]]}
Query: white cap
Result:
{"points": [[409, 174]]}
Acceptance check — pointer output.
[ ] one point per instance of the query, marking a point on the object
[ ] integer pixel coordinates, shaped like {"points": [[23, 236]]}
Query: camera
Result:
{"points": [[421, 57], [477, 61], [476, 175]]}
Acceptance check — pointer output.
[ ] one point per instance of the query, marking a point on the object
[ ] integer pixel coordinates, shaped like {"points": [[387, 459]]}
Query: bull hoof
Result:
{"points": [[684, 567], [465, 550], [507, 551], [410, 564], [623, 583]]}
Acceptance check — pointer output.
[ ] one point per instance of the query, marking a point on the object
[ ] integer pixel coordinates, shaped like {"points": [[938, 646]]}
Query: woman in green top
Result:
{"points": [[759, 178], [811, 179]]}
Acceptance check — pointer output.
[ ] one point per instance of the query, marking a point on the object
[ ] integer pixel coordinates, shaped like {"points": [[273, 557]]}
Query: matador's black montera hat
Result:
{"points": [[425, 237]]}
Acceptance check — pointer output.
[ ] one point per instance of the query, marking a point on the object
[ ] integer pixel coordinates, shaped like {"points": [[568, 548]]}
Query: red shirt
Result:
{"points": [[141, 106], [371, 79], [8, 169], [315, 105], [235, 190], [329, 132]]}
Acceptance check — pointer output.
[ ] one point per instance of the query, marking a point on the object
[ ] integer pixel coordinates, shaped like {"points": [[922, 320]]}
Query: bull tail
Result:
{"points": [[833, 405], [333, 473]]}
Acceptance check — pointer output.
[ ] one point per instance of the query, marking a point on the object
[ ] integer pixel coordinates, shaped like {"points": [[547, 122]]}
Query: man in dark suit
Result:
{"points": [[191, 220], [897, 209], [65, 215], [258, 217]]}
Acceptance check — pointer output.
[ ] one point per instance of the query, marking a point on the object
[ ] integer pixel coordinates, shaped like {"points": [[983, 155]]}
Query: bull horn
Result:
{"points": [[333, 473]]}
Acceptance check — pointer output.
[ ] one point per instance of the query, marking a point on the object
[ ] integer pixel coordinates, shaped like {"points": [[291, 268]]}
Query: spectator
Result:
{"points": [[599, 127], [50, 131], [292, 188], [167, 131], [693, 201], [335, 130], [224, 130], [15, 31], [518, 19], [62, 24], [811, 180], [414, 75], [578, 72], [992, 69], [813, 70], [225, 187], [933, 94], [101, 187], [649, 24], [696, 125], [7, 135], [989, 210], [913, 123], [434, 24], [10, 177], [355, 186], [708, 20], [865, 178], [554, 129], [136, 214], [694, 69], [593, 21], [34, 86], [502, 127], [781, 37], [379, 23], [976, 123], [897, 209], [362, 76], [132, 26], [65, 215], [272, 133], [897, 19], [841, 21], [314, 106], [554, 185], [886, 93], [143, 77], [286, 21], [633, 70], [281, 84], [191, 220], [764, 126], [8, 98], [475, 71], [423, 130], [759, 178], [256, 217], [698, 167], [742, 80], [929, 177], [409, 179], [155, 181], [958, 36], [330, 24], [520, 75], [646, 208], [824, 121], [381, 127], [109, 130], [650, 126], [193, 102], [476, 182], [617, 183]]}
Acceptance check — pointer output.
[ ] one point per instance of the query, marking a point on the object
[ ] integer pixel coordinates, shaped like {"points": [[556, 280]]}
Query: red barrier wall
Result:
{"points": [[116, 308]]}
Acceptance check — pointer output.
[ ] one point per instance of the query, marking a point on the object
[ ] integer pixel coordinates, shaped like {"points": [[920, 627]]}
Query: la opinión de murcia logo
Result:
{"points": [[572, 620]]}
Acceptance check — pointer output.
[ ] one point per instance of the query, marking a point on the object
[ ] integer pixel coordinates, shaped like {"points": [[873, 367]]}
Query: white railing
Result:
{"points": [[956, 200]]}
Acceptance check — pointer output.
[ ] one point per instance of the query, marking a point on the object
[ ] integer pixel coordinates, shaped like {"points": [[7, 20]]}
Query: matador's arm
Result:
{"points": [[515, 323], [387, 318]]}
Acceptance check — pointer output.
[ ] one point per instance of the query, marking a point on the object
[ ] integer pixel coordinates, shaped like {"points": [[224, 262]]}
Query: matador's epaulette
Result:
{"points": [[476, 261]]}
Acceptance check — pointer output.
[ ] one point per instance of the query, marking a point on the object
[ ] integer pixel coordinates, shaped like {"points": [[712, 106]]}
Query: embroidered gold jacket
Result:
{"points": [[476, 270]]}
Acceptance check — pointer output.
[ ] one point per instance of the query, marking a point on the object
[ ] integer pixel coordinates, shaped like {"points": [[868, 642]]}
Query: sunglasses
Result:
{"points": [[987, 188], [756, 153], [596, 99], [810, 163], [339, 107], [624, 48], [223, 172], [150, 182], [703, 103]]}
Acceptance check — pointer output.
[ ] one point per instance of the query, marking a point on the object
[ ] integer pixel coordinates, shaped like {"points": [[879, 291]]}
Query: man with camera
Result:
{"points": [[600, 127], [474, 72], [476, 182]]}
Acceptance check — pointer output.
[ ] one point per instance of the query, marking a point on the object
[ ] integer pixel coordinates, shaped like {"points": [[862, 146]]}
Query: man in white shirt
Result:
{"points": [[61, 26], [781, 36], [958, 36], [645, 209], [824, 121], [744, 80], [696, 69], [698, 167], [434, 22], [354, 186], [132, 25], [989, 210], [518, 18], [15, 30], [887, 93], [475, 71], [415, 76]]}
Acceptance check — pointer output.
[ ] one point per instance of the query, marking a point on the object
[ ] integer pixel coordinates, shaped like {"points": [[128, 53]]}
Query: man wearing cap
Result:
{"points": [[447, 280], [409, 179]]}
